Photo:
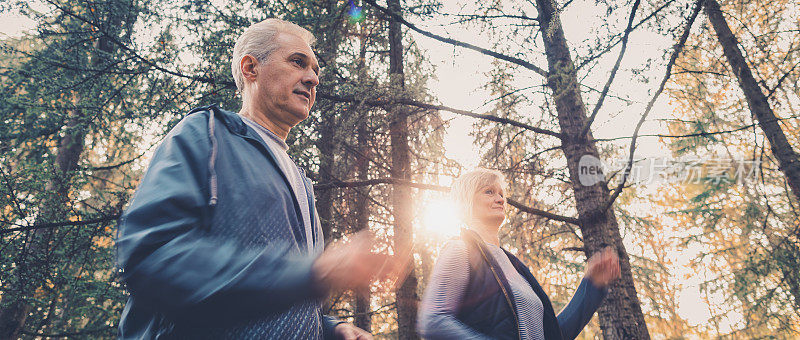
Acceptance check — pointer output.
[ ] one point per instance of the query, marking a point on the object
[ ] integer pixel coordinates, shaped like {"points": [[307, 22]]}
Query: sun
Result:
{"points": [[440, 218]]}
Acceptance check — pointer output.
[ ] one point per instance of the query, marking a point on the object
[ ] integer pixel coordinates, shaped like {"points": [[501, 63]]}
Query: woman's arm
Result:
{"points": [[601, 269], [580, 309], [448, 283]]}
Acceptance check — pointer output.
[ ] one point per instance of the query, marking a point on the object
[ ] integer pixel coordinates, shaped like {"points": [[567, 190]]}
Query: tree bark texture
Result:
{"points": [[406, 295], [620, 315], [363, 317], [324, 198], [328, 45], [788, 160]]}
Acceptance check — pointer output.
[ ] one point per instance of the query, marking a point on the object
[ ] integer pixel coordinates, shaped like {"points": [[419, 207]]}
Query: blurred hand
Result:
{"points": [[352, 265], [603, 267], [346, 331]]}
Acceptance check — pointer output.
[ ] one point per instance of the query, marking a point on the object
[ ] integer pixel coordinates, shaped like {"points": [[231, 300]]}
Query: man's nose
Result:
{"points": [[311, 79]]}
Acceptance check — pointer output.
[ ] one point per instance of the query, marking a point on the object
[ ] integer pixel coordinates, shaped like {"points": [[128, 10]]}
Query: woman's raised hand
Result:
{"points": [[603, 267]]}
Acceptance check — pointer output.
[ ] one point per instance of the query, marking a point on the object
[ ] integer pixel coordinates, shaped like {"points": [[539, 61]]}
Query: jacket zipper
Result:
{"points": [[503, 288]]}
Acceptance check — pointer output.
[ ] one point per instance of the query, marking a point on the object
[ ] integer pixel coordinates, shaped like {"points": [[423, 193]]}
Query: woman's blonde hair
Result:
{"points": [[467, 185], [258, 40]]}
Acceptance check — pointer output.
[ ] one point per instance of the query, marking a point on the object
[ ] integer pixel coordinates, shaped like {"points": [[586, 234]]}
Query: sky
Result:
{"points": [[460, 73]]}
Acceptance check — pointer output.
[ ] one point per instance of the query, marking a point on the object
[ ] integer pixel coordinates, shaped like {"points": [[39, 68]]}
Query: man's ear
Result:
{"points": [[248, 66]]}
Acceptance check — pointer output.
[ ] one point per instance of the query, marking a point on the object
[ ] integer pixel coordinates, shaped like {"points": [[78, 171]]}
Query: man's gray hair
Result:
{"points": [[467, 185], [258, 40]]}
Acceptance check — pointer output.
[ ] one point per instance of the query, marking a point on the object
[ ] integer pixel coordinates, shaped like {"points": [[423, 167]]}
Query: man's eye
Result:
{"points": [[298, 61]]}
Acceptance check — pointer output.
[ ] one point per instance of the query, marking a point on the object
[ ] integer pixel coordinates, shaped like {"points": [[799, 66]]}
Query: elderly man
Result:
{"points": [[222, 240]]}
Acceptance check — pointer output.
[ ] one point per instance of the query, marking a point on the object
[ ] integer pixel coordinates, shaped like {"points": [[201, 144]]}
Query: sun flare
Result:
{"points": [[440, 218]]}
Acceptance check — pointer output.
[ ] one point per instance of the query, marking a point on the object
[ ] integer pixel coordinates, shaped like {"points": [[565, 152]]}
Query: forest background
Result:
{"points": [[691, 108]]}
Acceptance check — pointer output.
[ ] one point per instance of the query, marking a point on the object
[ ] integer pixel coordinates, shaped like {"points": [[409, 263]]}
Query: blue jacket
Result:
{"points": [[212, 245], [487, 305]]}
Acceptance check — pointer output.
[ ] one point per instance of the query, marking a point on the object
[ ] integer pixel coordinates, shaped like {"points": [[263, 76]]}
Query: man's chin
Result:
{"points": [[300, 115]]}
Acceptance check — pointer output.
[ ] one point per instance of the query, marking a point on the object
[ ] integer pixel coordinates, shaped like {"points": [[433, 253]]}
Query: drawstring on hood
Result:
{"points": [[212, 181]]}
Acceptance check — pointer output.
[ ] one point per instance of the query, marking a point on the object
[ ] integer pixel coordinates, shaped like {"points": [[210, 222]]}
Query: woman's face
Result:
{"points": [[489, 206]]}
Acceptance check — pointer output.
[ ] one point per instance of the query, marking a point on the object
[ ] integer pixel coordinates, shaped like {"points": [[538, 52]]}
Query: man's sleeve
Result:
{"points": [[328, 324], [171, 265], [580, 309]]}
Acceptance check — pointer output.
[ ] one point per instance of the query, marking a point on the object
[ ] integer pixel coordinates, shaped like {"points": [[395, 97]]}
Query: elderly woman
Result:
{"points": [[478, 290]]}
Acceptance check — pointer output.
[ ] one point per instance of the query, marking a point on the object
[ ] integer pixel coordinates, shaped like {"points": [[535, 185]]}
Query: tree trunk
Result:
{"points": [[328, 45], [363, 319], [788, 159], [406, 295], [621, 315], [326, 145]]}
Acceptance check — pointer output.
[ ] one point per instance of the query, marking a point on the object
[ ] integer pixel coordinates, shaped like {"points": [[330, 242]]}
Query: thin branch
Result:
{"points": [[133, 52], [70, 334], [469, 17], [230, 84], [440, 188], [31, 134], [376, 311], [677, 50], [778, 84], [696, 134], [441, 108], [13, 194], [628, 29], [354, 184], [58, 224], [542, 213], [454, 42], [700, 72], [609, 47]]}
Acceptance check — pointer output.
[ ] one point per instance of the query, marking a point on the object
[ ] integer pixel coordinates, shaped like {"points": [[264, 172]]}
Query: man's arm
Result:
{"points": [[170, 264], [328, 324]]}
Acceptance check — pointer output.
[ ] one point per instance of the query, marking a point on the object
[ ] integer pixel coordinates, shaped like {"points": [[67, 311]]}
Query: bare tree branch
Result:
{"points": [[106, 218], [230, 84], [71, 334], [697, 134], [778, 84], [542, 213], [441, 108], [375, 181], [676, 51], [609, 47], [454, 42], [628, 29]]}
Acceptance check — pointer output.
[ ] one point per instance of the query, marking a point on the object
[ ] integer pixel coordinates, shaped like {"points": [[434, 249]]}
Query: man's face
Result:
{"points": [[285, 86]]}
